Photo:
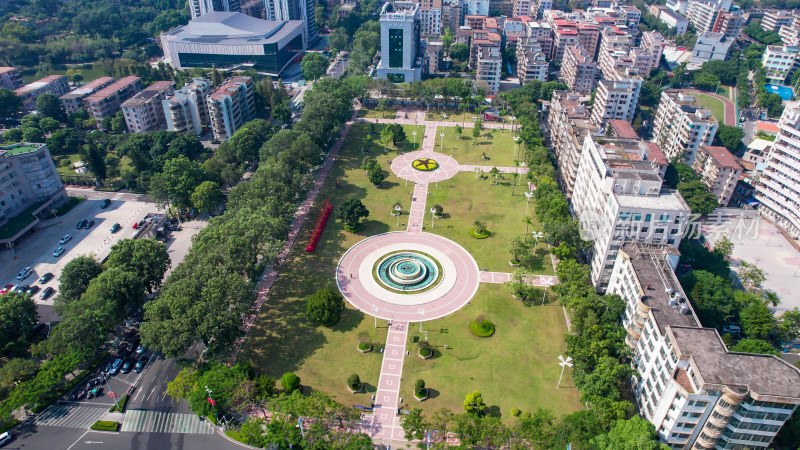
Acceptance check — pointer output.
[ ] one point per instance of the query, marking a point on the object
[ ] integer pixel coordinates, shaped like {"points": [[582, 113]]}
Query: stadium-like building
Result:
{"points": [[233, 40]]}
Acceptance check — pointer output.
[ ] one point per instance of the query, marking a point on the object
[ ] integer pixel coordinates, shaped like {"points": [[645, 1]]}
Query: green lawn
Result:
{"points": [[375, 114], [68, 171], [468, 150], [515, 368], [716, 107], [283, 339], [465, 200], [88, 74]]}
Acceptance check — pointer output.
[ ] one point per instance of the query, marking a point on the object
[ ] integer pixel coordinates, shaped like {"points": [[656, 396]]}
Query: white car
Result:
{"points": [[58, 252], [65, 239], [24, 273]]}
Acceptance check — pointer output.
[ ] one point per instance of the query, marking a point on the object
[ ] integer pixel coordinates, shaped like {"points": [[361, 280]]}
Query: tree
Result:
{"points": [[751, 276], [398, 135], [698, 197], [48, 105], [729, 137], [706, 81], [515, 246], [146, 258], [350, 212], [711, 297], [18, 316], [634, 433], [206, 196], [758, 321], [789, 324], [749, 345], [376, 175], [314, 66], [17, 370], [177, 182], [338, 38], [459, 130], [354, 382], [724, 247], [290, 382], [325, 306], [10, 104], [386, 136], [414, 425], [75, 278], [48, 125], [116, 289], [473, 403], [650, 94], [459, 52], [63, 141], [265, 387], [94, 159]]}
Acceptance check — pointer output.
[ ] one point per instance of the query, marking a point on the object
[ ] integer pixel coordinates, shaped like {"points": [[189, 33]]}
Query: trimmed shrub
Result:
{"points": [[515, 412], [419, 389], [123, 402], [354, 382], [481, 328], [475, 234], [290, 382], [325, 306], [526, 415], [425, 349], [105, 425]]}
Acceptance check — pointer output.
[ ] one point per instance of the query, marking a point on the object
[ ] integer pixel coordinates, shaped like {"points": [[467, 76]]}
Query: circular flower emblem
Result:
{"points": [[425, 164]]}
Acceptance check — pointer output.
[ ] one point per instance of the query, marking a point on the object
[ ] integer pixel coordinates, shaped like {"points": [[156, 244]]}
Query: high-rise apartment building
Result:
{"points": [[569, 33], [198, 8], [187, 110], [653, 44], [401, 49], [543, 34], [51, 84], [430, 17], [476, 7], [616, 100], [106, 102], [703, 13], [774, 20], [487, 69], [143, 112], [10, 78], [230, 106], [531, 61], [452, 15], [619, 198], [286, 10], [73, 100], [719, 170], [779, 61], [697, 393], [778, 188], [790, 34], [538, 7], [681, 126], [578, 70], [522, 8]]}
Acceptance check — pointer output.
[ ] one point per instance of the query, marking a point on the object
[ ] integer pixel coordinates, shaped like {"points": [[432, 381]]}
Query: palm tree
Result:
{"points": [[494, 173], [528, 222]]}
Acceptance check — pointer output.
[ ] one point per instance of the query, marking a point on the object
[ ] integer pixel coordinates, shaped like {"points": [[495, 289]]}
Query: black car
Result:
{"points": [[105, 204], [47, 293], [115, 228], [25, 288], [90, 224], [33, 290], [139, 365], [46, 277], [79, 225], [126, 366]]}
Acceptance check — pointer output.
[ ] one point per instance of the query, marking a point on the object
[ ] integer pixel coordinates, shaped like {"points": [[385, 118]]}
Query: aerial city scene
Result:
{"points": [[371, 224]]}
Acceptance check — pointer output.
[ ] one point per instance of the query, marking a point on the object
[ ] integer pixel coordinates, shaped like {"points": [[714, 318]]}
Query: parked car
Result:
{"points": [[731, 329], [135, 225], [47, 293], [33, 290], [126, 366], [58, 252], [115, 366], [17, 288], [141, 349], [139, 366], [25, 288], [79, 225], [90, 224], [46, 277], [5, 438], [105, 204], [24, 273], [3, 291], [115, 228], [65, 239]]}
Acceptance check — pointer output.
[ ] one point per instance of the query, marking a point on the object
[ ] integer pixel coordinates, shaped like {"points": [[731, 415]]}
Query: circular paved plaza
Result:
{"points": [[403, 167], [454, 276]]}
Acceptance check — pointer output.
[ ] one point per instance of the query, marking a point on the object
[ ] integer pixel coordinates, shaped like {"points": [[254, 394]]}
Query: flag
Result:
{"points": [[211, 401]]}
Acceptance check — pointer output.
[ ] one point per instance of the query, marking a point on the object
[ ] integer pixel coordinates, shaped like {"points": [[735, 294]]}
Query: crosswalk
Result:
{"points": [[70, 416], [143, 421]]}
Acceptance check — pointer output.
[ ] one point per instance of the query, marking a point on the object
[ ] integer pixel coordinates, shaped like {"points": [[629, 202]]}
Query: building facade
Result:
{"points": [[774, 20], [578, 70], [531, 61], [401, 48], [615, 100], [779, 62], [293, 10], [681, 126], [778, 188], [231, 106], [27, 175], [73, 100], [10, 78], [487, 69], [51, 84], [719, 170], [107, 101], [143, 112], [187, 110], [198, 8]]}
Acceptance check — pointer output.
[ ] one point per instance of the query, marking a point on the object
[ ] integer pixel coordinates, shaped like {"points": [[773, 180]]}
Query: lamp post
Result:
{"points": [[564, 363], [537, 235], [433, 214], [528, 196], [375, 315], [441, 144], [547, 284], [512, 123], [516, 146], [398, 210], [414, 133], [444, 117]]}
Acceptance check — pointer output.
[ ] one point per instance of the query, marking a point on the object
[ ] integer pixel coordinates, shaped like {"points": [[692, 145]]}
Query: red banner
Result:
{"points": [[320, 225]]}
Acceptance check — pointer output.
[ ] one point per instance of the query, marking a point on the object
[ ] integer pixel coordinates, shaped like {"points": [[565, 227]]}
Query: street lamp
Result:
{"points": [[397, 210], [564, 363], [433, 214], [512, 123], [528, 196], [537, 235], [547, 284], [516, 146], [444, 117], [414, 133], [441, 144]]}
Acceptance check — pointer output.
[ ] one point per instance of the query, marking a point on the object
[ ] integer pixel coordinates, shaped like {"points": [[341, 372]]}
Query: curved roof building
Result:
{"points": [[231, 39]]}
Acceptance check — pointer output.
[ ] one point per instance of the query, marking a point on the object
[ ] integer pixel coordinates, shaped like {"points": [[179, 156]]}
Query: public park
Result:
{"points": [[445, 217]]}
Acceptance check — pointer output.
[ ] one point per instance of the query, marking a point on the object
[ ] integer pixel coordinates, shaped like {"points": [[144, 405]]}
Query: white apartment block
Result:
{"points": [[696, 393], [487, 70], [522, 8], [678, 6], [106, 102], [616, 100], [476, 7], [538, 7], [779, 61], [230, 106], [719, 170], [186, 110], [618, 198], [681, 126], [143, 112], [543, 34], [653, 44], [703, 13], [568, 125], [51, 84], [774, 20], [531, 61], [578, 70], [778, 189], [790, 34], [199, 8], [73, 100], [10, 78], [401, 52], [430, 17]]}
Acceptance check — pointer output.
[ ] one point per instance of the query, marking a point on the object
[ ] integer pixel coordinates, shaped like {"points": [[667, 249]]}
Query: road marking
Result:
{"points": [[78, 440], [149, 421]]}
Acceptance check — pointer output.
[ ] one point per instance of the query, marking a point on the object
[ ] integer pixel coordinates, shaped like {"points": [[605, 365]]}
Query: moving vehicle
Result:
{"points": [[105, 204], [115, 228], [67, 237], [126, 366], [5, 438], [139, 366], [24, 273], [58, 252], [89, 225], [46, 277], [47, 293], [115, 366], [141, 349]]}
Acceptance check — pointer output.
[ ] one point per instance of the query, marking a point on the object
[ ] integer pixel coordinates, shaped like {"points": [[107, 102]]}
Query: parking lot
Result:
{"points": [[37, 248]]}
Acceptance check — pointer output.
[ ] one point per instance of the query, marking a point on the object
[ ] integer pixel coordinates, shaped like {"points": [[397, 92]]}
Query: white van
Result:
{"points": [[5, 438]]}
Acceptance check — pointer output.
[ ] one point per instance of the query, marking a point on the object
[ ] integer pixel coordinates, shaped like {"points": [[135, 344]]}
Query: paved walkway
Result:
{"points": [[437, 123], [471, 168], [730, 109], [416, 214], [384, 423], [265, 285]]}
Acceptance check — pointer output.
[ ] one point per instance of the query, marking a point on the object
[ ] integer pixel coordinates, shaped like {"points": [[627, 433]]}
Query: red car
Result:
{"points": [[135, 225]]}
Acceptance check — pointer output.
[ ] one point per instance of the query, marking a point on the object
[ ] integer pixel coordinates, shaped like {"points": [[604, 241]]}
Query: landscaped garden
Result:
{"points": [[492, 148], [515, 367], [714, 105]]}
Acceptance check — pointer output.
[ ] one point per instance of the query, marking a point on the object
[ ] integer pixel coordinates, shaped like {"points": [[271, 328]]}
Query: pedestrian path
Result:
{"points": [[471, 168], [384, 423], [70, 416], [416, 214], [143, 421]]}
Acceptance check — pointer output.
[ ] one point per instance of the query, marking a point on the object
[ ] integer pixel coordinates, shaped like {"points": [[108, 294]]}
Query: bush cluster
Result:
{"points": [[482, 328]]}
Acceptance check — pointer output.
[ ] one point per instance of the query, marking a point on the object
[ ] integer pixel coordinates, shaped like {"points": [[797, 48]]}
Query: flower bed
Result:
{"points": [[320, 225], [476, 235], [425, 164]]}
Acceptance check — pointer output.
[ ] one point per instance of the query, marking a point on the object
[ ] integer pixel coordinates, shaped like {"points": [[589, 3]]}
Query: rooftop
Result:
{"points": [[20, 148], [88, 88], [666, 200], [40, 83], [769, 127], [234, 28], [760, 144], [623, 129], [228, 88], [148, 93], [765, 375], [722, 156], [6, 69], [112, 89], [658, 284]]}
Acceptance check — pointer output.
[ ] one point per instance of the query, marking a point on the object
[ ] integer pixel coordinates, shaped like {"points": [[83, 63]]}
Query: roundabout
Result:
{"points": [[407, 276]]}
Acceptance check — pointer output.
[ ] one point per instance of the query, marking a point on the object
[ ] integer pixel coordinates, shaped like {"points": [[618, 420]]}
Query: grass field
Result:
{"points": [[716, 107], [465, 200], [375, 114], [515, 368], [88, 74], [468, 150]]}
